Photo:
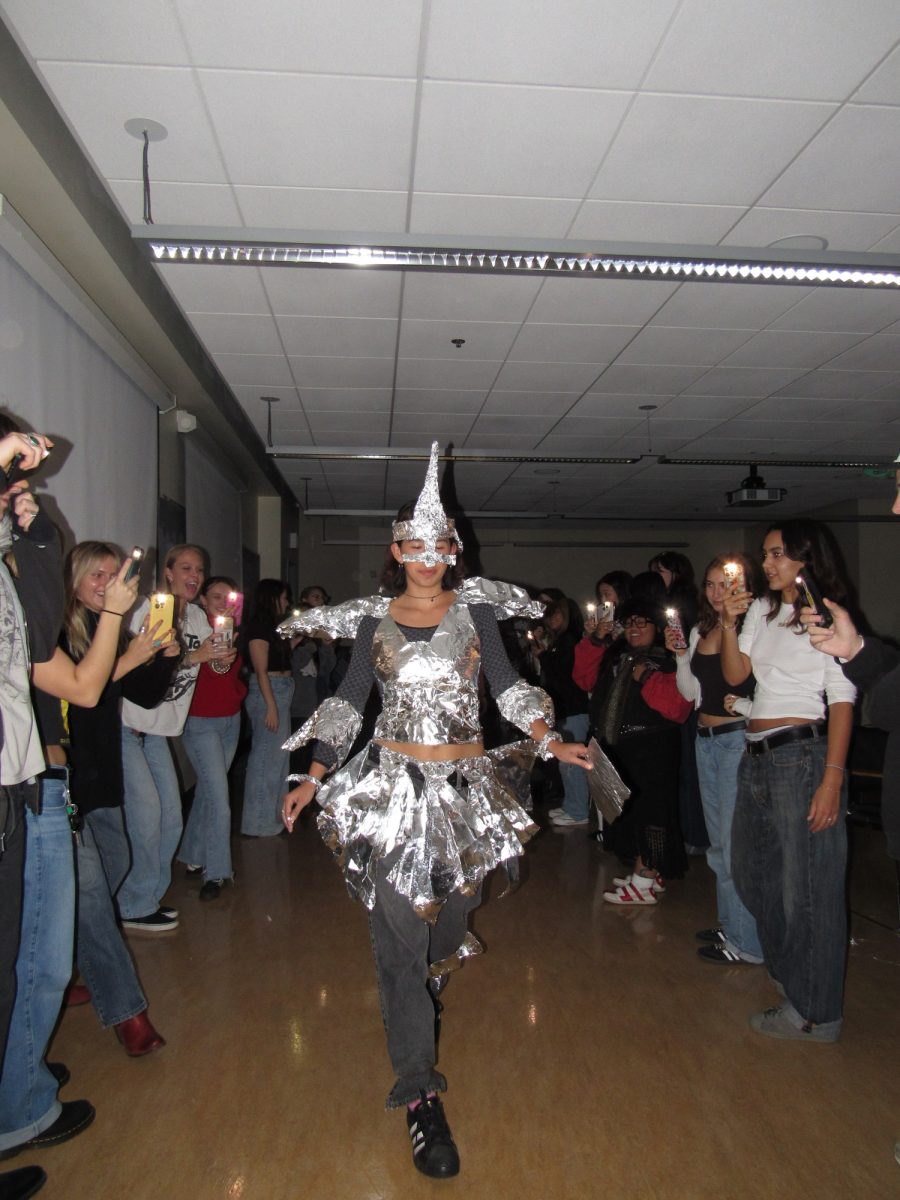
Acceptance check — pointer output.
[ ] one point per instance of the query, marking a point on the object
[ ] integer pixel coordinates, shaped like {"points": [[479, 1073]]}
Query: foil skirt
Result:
{"points": [[451, 834]]}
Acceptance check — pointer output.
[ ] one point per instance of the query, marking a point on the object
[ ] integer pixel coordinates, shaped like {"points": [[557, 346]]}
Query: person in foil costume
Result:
{"points": [[421, 814]]}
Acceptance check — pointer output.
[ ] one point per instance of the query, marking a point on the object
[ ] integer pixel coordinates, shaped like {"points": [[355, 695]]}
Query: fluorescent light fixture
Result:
{"points": [[475, 515], [399, 454], [274, 248], [842, 464]]}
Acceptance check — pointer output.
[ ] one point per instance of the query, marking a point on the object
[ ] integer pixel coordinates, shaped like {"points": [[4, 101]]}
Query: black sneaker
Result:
{"points": [[713, 936], [434, 1151], [75, 1117], [157, 922], [212, 889], [22, 1184], [61, 1074]]}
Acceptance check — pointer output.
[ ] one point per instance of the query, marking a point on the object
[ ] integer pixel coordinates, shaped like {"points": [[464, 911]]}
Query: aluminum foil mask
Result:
{"points": [[429, 523]]}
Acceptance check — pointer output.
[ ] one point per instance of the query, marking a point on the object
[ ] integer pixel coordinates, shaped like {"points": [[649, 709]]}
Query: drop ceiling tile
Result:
{"points": [[513, 441], [634, 444], [631, 221], [865, 412], [255, 370], [580, 301], [483, 217], [327, 209], [762, 48], [322, 371], [697, 150], [351, 337], [418, 400], [762, 446], [681, 427], [574, 43], [839, 384], [891, 243], [428, 426], [546, 377], [556, 443], [841, 230], [743, 381], [105, 31], [779, 348], [468, 297], [342, 37], [794, 409], [881, 352], [696, 408], [552, 139], [97, 101], [538, 342], [681, 347], [501, 426], [203, 204], [595, 427], [528, 403], [728, 305], [772, 431], [346, 400], [351, 437], [883, 85], [321, 293], [224, 333], [334, 126], [433, 339], [335, 426], [249, 399], [646, 380], [219, 289], [865, 179], [608, 404], [425, 373], [847, 310]]}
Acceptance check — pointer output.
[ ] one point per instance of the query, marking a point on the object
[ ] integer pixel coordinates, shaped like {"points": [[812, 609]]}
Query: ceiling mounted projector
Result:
{"points": [[753, 492]]}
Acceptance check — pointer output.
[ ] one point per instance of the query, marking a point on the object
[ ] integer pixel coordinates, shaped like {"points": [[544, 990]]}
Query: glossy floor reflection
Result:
{"points": [[589, 1053]]}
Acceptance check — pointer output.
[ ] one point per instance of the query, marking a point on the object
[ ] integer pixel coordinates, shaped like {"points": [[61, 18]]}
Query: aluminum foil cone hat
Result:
{"points": [[429, 523]]}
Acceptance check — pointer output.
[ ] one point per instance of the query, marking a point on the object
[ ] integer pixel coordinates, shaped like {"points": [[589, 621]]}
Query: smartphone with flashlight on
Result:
{"points": [[673, 622], [134, 567], [162, 612], [734, 576], [811, 595]]}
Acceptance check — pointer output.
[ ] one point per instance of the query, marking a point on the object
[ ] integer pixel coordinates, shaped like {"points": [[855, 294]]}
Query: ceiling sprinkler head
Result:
{"points": [[458, 342]]}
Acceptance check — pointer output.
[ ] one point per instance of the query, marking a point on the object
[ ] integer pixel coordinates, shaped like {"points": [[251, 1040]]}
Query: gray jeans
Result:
{"points": [[404, 946]]}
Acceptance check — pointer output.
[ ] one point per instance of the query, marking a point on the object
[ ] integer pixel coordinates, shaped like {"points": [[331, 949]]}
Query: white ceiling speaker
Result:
{"points": [[185, 421]]}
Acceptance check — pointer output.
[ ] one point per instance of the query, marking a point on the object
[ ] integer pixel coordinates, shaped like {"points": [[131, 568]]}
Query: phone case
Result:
{"points": [[162, 609], [812, 595]]}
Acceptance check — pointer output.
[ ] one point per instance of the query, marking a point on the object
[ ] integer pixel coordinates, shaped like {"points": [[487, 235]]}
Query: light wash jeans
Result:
{"points": [[28, 1091], [102, 859], [576, 802], [210, 743], [152, 819], [267, 766], [718, 760], [793, 881]]}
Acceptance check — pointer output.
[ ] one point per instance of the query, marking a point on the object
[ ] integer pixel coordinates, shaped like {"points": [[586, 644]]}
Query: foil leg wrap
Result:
{"points": [[452, 822], [469, 949]]}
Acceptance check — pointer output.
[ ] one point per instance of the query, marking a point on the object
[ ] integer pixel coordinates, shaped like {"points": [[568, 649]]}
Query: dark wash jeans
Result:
{"points": [[791, 880], [12, 874], [404, 946]]}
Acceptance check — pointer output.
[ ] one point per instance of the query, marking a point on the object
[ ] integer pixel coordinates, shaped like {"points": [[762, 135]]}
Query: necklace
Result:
{"points": [[424, 596]]}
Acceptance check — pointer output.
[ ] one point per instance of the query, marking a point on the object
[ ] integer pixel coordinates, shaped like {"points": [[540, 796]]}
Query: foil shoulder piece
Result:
{"points": [[523, 704], [506, 599], [339, 620], [334, 722]]}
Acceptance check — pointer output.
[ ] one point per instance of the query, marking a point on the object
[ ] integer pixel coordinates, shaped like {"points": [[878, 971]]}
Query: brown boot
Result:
{"points": [[138, 1036]]}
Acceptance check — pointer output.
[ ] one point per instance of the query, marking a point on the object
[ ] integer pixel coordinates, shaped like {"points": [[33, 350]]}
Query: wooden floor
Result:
{"points": [[589, 1053]]}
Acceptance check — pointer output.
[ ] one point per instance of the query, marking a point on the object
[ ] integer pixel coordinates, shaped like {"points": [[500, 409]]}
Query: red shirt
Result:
{"points": [[218, 695]]}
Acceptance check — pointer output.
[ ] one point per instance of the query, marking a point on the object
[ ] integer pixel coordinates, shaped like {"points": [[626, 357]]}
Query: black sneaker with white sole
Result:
{"points": [[713, 936], [158, 922], [433, 1148]]}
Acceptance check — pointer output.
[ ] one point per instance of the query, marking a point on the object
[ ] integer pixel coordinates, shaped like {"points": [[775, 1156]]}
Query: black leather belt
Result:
{"points": [[55, 773], [799, 733], [715, 730]]}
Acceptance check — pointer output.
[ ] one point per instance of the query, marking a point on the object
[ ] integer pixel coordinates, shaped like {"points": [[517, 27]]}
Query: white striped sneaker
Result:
{"points": [[630, 895], [659, 885]]}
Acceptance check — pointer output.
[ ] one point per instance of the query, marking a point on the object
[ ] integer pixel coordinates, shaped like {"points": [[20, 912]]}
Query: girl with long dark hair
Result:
{"points": [[789, 838]]}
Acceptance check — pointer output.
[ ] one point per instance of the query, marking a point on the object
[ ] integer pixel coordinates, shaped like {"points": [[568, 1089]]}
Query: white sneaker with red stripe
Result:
{"points": [[659, 885], [631, 894]]}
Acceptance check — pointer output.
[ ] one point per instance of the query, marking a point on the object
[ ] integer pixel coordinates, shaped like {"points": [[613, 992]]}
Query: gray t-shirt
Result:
{"points": [[168, 718]]}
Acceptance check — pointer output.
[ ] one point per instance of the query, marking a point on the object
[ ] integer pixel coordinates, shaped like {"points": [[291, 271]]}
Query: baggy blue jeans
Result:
{"points": [[102, 859], [267, 765], [576, 803], [210, 743], [28, 1091], [791, 880], [152, 818], [718, 760]]}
